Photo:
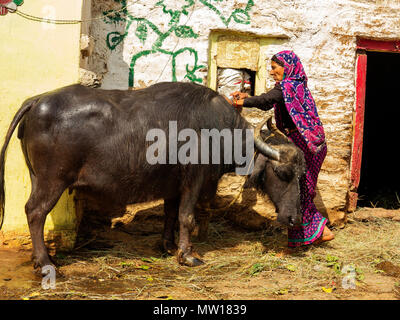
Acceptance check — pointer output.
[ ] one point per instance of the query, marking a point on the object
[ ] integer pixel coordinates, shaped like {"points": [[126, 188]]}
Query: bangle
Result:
{"points": [[235, 101]]}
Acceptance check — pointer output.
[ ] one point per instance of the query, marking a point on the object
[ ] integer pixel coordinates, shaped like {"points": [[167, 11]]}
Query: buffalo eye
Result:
{"points": [[261, 178]]}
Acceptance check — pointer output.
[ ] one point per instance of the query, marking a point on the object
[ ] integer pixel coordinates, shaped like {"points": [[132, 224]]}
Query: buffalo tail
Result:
{"points": [[26, 106]]}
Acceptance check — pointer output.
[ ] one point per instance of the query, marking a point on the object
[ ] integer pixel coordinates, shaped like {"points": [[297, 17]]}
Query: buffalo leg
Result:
{"points": [[171, 209], [203, 218], [43, 198], [203, 211], [185, 253]]}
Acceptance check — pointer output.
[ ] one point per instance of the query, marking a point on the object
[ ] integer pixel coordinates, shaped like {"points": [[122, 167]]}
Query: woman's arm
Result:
{"points": [[264, 101]]}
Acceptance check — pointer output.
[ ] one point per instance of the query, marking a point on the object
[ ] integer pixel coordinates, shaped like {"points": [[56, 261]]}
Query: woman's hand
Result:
{"points": [[237, 95], [238, 100], [238, 104]]}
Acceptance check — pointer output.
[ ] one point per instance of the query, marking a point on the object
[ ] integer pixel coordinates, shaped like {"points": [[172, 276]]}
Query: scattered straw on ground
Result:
{"points": [[238, 265]]}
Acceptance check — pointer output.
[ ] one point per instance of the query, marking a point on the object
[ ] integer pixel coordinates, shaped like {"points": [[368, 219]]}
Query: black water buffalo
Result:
{"points": [[96, 141]]}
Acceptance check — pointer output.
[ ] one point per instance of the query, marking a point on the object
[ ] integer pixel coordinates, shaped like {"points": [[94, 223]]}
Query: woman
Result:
{"points": [[296, 116]]}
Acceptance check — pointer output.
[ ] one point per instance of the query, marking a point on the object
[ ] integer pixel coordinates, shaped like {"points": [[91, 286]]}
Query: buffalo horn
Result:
{"points": [[263, 147]]}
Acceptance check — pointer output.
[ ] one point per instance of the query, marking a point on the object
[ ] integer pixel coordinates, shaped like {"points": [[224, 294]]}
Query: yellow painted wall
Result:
{"points": [[35, 57]]}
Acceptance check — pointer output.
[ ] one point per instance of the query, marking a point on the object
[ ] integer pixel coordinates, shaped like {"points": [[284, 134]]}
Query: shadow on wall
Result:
{"points": [[337, 217], [319, 203]]}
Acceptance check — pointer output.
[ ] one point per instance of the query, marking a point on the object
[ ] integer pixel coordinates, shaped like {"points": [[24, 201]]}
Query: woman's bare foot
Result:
{"points": [[327, 235]]}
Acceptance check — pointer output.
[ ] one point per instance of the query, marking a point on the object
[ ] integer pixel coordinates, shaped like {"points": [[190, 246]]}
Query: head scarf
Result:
{"points": [[299, 102]]}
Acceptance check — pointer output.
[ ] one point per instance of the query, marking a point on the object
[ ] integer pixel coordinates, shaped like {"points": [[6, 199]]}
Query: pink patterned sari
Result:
{"points": [[310, 138]]}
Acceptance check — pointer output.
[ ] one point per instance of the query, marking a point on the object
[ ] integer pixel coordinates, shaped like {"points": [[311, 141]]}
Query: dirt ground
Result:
{"points": [[362, 262]]}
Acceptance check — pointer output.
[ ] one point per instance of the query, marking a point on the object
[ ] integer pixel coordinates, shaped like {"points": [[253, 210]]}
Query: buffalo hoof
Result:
{"points": [[46, 270], [193, 261], [40, 263], [189, 259]]}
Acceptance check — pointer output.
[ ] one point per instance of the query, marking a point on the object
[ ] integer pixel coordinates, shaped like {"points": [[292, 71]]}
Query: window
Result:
{"points": [[241, 52]]}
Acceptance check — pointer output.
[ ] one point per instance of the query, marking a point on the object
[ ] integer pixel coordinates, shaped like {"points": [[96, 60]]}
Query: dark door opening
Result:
{"points": [[380, 171]]}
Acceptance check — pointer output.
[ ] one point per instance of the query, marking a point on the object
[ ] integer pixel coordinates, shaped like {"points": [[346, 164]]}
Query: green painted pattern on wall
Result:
{"points": [[143, 26]]}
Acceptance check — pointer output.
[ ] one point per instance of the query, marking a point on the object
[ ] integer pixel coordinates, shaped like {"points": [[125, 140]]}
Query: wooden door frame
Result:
{"points": [[363, 45]]}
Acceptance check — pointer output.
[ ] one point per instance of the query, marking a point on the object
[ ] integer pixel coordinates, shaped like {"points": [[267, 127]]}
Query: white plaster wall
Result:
{"points": [[321, 32]]}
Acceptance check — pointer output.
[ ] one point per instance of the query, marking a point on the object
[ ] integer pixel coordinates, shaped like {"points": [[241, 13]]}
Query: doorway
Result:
{"points": [[380, 173]]}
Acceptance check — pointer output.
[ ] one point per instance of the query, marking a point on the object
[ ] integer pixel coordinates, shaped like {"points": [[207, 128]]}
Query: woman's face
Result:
{"points": [[276, 71]]}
